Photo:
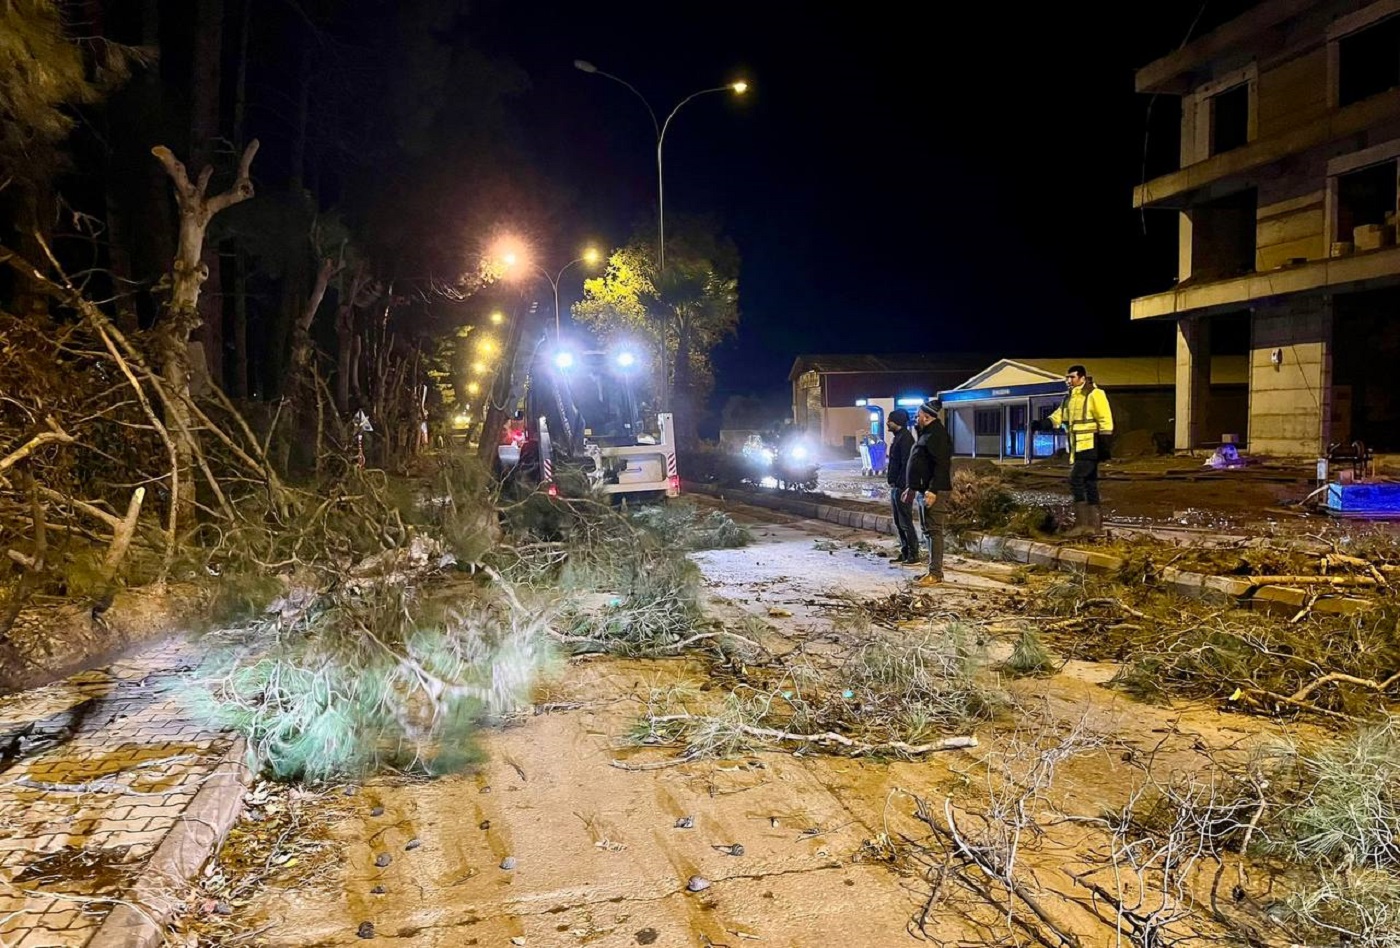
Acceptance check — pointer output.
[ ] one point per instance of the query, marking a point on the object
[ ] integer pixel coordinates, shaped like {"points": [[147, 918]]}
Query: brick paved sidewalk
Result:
{"points": [[97, 772]]}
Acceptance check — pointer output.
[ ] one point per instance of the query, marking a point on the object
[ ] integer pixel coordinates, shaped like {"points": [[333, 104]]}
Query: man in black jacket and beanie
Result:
{"points": [[895, 473], [930, 479]]}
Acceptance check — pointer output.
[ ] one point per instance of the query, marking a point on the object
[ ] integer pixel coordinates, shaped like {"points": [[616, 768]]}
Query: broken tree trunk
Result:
{"points": [[299, 386], [181, 318], [345, 337]]}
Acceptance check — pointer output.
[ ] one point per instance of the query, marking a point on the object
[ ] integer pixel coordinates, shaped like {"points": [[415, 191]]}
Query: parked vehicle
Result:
{"points": [[785, 460]]}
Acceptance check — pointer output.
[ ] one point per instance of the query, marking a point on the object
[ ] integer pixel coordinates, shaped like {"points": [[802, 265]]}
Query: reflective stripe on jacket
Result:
{"points": [[1083, 414]]}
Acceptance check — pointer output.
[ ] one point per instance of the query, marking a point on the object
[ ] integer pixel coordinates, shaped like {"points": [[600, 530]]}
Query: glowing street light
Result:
{"points": [[518, 260], [497, 318], [478, 367], [473, 388], [486, 347], [738, 87]]}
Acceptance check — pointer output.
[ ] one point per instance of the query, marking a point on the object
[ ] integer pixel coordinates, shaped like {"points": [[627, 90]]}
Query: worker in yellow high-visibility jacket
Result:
{"points": [[1087, 420]]}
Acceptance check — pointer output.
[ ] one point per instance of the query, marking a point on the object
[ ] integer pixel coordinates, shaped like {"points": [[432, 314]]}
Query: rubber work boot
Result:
{"points": [[927, 580], [1096, 521], [1083, 521]]}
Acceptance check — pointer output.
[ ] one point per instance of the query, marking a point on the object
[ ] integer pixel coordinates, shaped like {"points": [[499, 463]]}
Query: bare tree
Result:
{"points": [[187, 275]]}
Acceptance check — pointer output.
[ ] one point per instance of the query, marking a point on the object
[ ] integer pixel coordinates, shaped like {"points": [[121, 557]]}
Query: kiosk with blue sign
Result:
{"points": [[989, 415]]}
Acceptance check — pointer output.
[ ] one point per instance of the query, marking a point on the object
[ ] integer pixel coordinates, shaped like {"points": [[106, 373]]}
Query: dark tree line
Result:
{"points": [[231, 232], [386, 150]]}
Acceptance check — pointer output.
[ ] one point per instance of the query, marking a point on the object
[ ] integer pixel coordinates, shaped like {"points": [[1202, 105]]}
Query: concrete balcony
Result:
{"points": [[1175, 190], [1356, 272]]}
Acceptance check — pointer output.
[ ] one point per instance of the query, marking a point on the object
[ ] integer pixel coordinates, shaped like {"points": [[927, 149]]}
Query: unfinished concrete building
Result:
{"points": [[1287, 200]]}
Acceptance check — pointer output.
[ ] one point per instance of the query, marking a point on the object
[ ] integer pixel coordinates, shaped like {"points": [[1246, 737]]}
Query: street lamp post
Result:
{"points": [[590, 256], [739, 88]]}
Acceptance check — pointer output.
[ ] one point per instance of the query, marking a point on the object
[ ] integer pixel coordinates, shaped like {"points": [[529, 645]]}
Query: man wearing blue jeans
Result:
{"points": [[930, 478], [896, 474]]}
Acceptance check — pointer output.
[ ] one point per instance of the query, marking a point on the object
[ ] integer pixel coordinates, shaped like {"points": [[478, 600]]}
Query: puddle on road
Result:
{"points": [[139, 767], [77, 871], [34, 737]]}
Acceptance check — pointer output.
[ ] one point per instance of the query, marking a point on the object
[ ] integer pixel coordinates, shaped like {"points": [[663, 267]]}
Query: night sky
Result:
{"points": [[954, 180]]}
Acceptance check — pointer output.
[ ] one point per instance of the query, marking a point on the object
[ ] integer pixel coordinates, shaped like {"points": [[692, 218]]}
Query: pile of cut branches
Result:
{"points": [[1339, 666], [981, 502], [636, 561], [1323, 821], [894, 696], [375, 678]]}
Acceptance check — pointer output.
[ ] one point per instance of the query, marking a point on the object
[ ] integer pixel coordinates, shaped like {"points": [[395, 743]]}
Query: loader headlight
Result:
{"points": [[799, 452]]}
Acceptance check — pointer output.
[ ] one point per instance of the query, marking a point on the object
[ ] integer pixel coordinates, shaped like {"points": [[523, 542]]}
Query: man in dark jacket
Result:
{"points": [[895, 473], [930, 479]]}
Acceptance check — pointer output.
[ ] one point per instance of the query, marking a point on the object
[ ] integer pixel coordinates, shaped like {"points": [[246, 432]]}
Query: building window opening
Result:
{"points": [[988, 421], [1223, 236], [1365, 201], [1229, 120], [1369, 61]]}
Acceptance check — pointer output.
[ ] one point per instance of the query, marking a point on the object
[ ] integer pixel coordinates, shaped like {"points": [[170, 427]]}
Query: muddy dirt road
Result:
{"points": [[549, 843]]}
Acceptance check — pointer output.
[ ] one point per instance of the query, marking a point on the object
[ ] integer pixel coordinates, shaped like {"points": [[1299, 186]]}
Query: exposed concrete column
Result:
{"points": [[1290, 377], [1192, 380]]}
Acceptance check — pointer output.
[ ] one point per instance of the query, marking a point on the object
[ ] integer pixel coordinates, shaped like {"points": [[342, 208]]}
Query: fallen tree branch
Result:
{"points": [[861, 748], [1115, 604], [1257, 581], [655, 764], [1378, 686], [102, 325], [82, 506], [123, 528], [1342, 559], [1253, 695], [949, 832], [55, 434], [121, 536]]}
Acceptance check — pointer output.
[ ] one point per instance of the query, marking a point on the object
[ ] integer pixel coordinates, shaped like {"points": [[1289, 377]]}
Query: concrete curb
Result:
{"points": [[1276, 599], [196, 837]]}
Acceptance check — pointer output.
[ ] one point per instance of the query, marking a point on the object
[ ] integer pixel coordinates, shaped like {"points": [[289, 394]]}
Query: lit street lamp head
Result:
{"points": [[583, 65], [739, 87], [591, 255], [497, 318]]}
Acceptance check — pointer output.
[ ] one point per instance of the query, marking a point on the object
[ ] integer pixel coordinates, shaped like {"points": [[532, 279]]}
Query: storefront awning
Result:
{"points": [[996, 394]]}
